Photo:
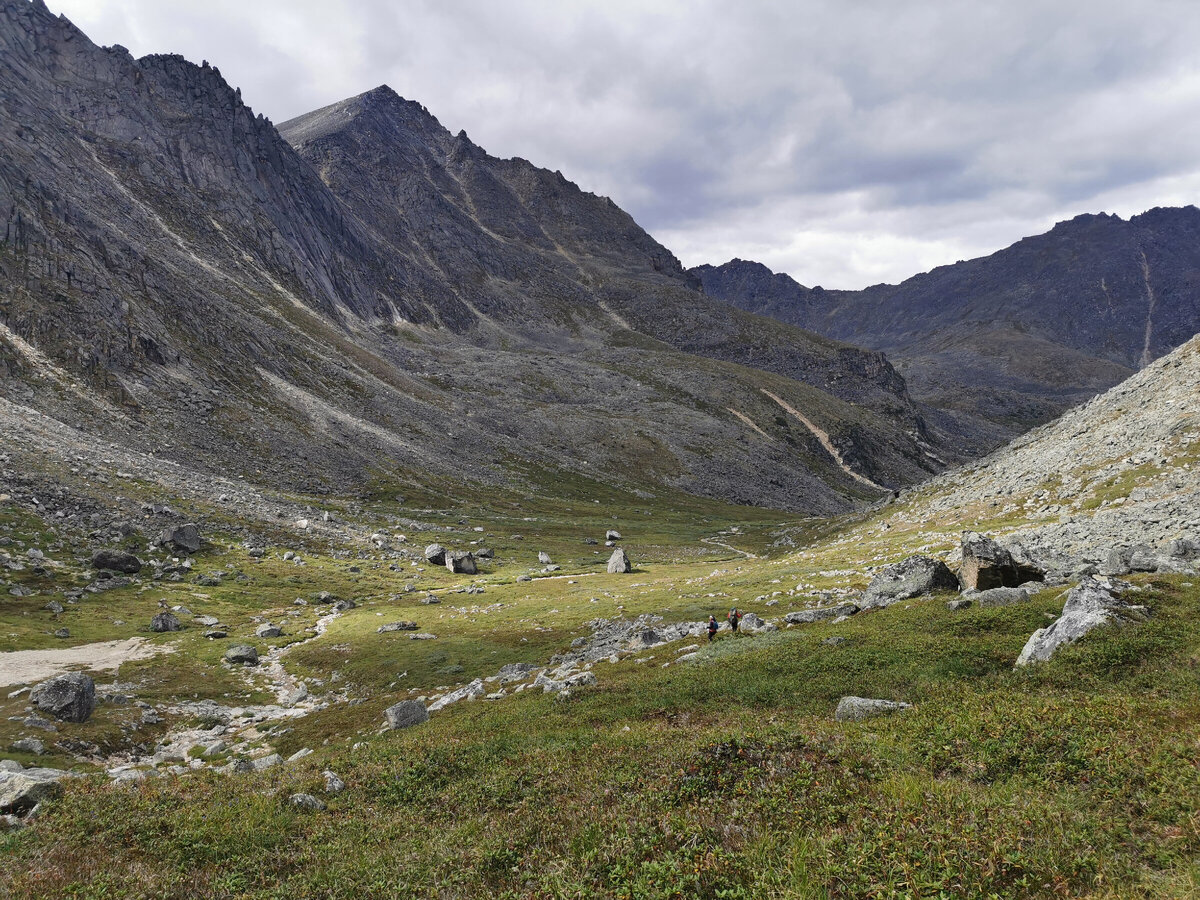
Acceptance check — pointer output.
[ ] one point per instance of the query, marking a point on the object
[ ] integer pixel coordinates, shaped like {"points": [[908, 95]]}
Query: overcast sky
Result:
{"points": [[845, 142]]}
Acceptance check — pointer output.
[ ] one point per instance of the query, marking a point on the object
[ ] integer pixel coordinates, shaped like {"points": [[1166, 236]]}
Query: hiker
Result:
{"points": [[712, 627], [734, 618]]}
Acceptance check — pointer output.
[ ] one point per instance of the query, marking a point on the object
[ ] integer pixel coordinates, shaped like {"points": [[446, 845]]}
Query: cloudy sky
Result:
{"points": [[844, 142]]}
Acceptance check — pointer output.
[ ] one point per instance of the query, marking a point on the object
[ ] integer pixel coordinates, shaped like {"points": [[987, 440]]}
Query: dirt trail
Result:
{"points": [[712, 541], [823, 437], [31, 666]]}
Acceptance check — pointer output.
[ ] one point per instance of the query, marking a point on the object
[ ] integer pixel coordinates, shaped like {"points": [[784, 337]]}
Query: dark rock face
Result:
{"points": [[987, 565], [435, 554], [70, 698], [242, 654], [116, 561], [1017, 337], [908, 578], [461, 562]]}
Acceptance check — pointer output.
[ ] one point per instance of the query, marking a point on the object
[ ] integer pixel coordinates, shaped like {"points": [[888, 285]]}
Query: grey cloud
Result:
{"points": [[838, 140]]}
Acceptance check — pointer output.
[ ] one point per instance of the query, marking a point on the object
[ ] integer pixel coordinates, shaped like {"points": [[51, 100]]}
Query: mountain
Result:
{"points": [[361, 300], [1019, 336]]}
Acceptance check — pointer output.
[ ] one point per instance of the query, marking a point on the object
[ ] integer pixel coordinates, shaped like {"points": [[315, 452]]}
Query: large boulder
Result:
{"points": [[807, 616], [22, 791], [986, 564], [908, 578], [116, 561], [184, 538], [461, 562], [1091, 603], [70, 697], [164, 622], [405, 714], [242, 654], [435, 554], [619, 562], [855, 709]]}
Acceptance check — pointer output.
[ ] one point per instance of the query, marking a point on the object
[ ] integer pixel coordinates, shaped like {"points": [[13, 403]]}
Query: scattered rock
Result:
{"points": [[405, 714], [116, 561], [344, 605], [164, 622], [308, 802], [270, 761], [1001, 596], [955, 605], [397, 626], [485, 553], [29, 745], [619, 562], [267, 630], [436, 554], [855, 709], [70, 697], [333, 784], [184, 538], [242, 654], [986, 564], [544, 558], [461, 562], [909, 578], [834, 641], [472, 691], [612, 535], [807, 616], [216, 634], [1090, 604], [54, 606], [21, 791]]}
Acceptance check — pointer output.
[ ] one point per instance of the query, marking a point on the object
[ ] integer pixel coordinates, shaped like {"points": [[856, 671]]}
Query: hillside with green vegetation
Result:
{"points": [[687, 769]]}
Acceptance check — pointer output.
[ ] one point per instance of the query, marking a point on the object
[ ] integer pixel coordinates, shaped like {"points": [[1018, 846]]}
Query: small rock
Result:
{"points": [[242, 654], [307, 801], [855, 709], [116, 561], [267, 630], [405, 714], [333, 784]]}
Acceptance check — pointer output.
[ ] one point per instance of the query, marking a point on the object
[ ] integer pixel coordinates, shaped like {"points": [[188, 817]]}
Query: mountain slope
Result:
{"points": [[1018, 336], [388, 305]]}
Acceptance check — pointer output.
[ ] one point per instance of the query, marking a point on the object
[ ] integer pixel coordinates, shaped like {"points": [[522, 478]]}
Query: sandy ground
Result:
{"points": [[31, 666]]}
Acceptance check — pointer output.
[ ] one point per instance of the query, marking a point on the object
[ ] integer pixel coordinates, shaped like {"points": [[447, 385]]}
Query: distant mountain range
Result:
{"points": [[360, 298], [1017, 337]]}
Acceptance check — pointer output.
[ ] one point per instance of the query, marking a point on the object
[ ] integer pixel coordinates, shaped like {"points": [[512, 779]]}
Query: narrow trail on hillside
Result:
{"points": [[824, 439], [713, 542]]}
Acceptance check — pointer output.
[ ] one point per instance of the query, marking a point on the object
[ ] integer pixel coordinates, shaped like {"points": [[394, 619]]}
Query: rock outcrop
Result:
{"points": [[1092, 603], [986, 564], [70, 698], [908, 578]]}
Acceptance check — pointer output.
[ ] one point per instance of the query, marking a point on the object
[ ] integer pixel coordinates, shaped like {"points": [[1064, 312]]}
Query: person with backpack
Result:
{"points": [[734, 618], [712, 627]]}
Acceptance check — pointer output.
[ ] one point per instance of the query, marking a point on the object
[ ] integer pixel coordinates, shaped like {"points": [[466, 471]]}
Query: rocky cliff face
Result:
{"points": [[1018, 336], [384, 301]]}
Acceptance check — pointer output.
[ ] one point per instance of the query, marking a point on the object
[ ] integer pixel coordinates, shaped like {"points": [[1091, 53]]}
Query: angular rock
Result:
{"points": [[435, 554], [405, 714], [29, 745], [619, 562], [269, 761], [544, 558], [333, 784], [955, 605], [267, 630], [855, 709], [485, 553], [164, 622], [461, 562], [986, 564], [1090, 604], [116, 561], [397, 626], [308, 802], [1001, 596], [472, 691], [908, 578], [70, 697], [21, 791], [242, 654], [806, 616], [612, 535], [54, 606], [184, 538], [343, 605]]}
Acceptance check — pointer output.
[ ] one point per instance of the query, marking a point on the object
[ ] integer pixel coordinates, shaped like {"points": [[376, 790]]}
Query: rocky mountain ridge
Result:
{"points": [[1019, 336], [386, 302]]}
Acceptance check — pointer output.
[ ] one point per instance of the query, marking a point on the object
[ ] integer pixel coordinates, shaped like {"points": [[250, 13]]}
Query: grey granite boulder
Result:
{"points": [[1091, 603], [267, 630], [908, 578], [164, 622], [619, 562], [435, 554], [307, 802], [986, 564], [242, 654], [70, 697], [405, 714], [22, 791], [855, 709], [461, 562]]}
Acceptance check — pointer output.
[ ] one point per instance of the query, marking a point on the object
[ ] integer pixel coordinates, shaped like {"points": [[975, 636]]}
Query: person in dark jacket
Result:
{"points": [[712, 627], [734, 617]]}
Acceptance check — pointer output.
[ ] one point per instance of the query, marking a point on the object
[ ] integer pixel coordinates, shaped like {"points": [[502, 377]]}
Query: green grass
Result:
{"points": [[723, 777]]}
